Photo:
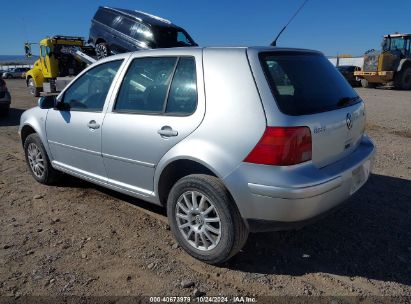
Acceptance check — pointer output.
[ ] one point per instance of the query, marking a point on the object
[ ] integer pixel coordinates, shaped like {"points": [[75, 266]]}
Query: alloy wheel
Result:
{"points": [[198, 220], [36, 160]]}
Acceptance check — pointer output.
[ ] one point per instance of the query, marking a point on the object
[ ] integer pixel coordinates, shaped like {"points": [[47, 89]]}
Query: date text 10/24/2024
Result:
{"points": [[203, 299]]}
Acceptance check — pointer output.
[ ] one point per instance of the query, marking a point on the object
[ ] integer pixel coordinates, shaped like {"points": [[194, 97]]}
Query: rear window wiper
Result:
{"points": [[345, 101]]}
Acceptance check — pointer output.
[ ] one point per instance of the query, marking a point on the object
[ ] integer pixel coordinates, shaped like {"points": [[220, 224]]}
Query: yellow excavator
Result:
{"points": [[391, 66]]}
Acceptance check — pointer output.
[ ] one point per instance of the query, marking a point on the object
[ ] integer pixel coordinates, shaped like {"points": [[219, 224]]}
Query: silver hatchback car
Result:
{"points": [[229, 140]]}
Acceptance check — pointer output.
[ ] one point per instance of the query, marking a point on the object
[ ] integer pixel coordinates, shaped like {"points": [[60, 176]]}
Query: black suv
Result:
{"points": [[115, 30]]}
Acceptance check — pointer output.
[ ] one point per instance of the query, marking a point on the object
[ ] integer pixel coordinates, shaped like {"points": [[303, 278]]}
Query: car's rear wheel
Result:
{"points": [[102, 50], [204, 219], [32, 88], [9, 76], [38, 161]]}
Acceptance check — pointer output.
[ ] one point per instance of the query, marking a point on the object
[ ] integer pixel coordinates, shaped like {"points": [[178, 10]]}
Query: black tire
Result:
{"points": [[366, 84], [32, 88], [402, 80], [9, 76], [102, 50], [50, 175], [4, 112], [234, 232]]}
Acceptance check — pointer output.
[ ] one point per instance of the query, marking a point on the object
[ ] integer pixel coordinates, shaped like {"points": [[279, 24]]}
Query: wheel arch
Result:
{"points": [[37, 77], [404, 63], [100, 40], [175, 170], [32, 126]]}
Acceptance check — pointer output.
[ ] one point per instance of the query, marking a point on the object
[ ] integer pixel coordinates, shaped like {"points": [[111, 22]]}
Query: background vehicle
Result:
{"points": [[116, 30], [391, 66], [15, 73], [348, 72], [293, 150], [57, 64], [5, 98]]}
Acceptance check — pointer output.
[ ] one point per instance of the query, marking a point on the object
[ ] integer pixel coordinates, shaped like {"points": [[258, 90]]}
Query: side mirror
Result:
{"points": [[46, 102], [27, 49], [60, 105]]}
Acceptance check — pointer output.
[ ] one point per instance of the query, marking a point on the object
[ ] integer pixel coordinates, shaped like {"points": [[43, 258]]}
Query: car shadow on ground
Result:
{"points": [[370, 237], [68, 181], [12, 119]]}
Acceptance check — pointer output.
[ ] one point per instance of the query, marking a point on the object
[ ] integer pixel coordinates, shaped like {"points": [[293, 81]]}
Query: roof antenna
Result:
{"points": [[274, 43]]}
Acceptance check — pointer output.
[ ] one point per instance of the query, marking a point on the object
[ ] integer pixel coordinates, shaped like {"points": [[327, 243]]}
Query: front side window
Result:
{"points": [[171, 37], [182, 39], [89, 92], [159, 85]]}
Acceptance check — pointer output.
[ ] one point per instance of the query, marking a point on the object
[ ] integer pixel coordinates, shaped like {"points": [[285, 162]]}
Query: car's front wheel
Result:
{"points": [[38, 161], [204, 219]]}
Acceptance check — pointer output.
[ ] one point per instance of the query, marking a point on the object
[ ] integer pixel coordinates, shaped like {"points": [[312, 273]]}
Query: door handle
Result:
{"points": [[92, 124], [167, 131]]}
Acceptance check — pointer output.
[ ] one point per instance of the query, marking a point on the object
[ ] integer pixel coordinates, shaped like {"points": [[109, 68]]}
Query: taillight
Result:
{"points": [[282, 146]]}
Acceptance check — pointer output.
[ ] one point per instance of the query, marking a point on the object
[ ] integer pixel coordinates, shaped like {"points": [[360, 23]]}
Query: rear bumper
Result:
{"points": [[288, 197]]}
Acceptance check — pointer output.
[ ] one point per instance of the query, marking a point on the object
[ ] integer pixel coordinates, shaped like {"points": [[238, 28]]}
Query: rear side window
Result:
{"points": [[182, 98], [306, 83], [158, 85]]}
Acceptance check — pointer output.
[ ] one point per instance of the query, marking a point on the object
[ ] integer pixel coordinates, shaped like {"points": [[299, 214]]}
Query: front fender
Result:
{"points": [[37, 76], [402, 63], [35, 118]]}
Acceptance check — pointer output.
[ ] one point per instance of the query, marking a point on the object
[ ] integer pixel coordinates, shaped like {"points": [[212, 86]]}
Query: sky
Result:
{"points": [[343, 27]]}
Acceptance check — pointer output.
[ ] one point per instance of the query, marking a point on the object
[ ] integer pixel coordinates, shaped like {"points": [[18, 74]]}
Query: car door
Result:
{"points": [[74, 131], [159, 103]]}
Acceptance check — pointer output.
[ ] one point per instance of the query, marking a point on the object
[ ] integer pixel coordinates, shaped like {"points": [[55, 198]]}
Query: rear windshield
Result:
{"points": [[306, 83]]}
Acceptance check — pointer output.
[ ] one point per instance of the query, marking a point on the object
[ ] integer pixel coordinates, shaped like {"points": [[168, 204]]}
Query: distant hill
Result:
{"points": [[17, 59]]}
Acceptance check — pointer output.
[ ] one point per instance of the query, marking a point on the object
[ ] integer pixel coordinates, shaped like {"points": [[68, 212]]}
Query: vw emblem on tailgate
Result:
{"points": [[348, 121]]}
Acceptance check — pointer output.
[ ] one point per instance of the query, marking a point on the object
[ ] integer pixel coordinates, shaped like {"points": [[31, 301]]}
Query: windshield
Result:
{"points": [[306, 83], [391, 44], [171, 37]]}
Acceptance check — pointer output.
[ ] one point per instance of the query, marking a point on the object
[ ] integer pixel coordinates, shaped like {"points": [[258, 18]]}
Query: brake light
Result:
{"points": [[282, 146]]}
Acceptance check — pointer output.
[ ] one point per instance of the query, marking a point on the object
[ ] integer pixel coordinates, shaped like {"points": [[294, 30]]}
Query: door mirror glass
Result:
{"points": [[47, 102]]}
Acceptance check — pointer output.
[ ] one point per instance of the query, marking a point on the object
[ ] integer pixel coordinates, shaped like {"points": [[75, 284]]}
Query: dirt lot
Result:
{"points": [[80, 239]]}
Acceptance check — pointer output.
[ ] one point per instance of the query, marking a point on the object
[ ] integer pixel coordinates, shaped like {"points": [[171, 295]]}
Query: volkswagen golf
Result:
{"points": [[228, 140]]}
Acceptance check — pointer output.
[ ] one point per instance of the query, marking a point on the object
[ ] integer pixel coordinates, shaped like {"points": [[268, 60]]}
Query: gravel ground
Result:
{"points": [[80, 239]]}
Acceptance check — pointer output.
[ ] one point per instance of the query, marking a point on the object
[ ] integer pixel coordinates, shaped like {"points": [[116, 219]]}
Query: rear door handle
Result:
{"points": [[92, 124], [167, 131]]}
